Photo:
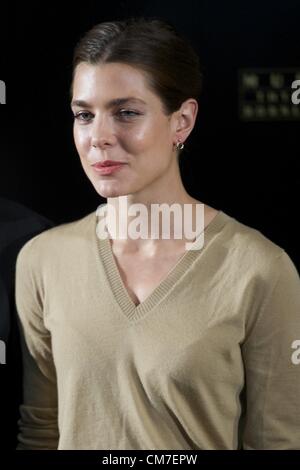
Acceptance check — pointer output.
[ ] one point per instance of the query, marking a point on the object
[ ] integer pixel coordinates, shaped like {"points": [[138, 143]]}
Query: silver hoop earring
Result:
{"points": [[179, 145]]}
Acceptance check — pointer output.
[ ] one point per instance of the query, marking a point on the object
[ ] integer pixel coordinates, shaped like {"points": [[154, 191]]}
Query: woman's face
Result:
{"points": [[117, 117]]}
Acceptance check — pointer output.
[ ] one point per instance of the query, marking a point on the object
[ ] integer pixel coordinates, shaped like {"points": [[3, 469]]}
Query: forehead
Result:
{"points": [[106, 81]]}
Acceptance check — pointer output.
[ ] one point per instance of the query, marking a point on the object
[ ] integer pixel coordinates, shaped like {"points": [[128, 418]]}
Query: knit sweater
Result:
{"points": [[207, 361]]}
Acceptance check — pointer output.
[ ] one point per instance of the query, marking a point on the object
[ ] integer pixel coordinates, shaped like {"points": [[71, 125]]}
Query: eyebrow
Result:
{"points": [[109, 104]]}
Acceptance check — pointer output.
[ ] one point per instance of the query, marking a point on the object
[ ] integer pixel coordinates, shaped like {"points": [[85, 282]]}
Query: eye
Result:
{"points": [[127, 113], [82, 116]]}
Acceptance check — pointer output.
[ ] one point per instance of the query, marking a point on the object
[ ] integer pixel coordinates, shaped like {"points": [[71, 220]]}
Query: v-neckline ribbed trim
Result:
{"points": [[127, 305]]}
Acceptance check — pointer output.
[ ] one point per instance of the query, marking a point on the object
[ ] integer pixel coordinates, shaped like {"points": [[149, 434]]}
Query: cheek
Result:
{"points": [[80, 140], [143, 137], [134, 141]]}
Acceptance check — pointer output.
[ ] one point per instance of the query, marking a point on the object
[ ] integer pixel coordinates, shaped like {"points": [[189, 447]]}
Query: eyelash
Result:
{"points": [[121, 115]]}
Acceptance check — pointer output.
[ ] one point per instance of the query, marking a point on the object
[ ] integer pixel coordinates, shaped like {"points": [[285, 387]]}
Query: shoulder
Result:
{"points": [[57, 242], [251, 254], [250, 242], [260, 272]]}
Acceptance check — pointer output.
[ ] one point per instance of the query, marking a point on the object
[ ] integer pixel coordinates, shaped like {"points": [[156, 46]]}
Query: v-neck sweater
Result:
{"points": [[204, 362]]}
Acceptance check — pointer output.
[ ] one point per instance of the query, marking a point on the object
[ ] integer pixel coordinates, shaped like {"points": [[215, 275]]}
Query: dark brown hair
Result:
{"points": [[170, 63]]}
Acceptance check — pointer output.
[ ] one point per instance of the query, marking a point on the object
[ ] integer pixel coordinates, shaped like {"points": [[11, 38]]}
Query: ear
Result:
{"points": [[185, 119]]}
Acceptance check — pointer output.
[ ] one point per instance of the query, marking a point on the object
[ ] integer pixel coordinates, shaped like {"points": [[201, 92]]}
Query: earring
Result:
{"points": [[179, 145]]}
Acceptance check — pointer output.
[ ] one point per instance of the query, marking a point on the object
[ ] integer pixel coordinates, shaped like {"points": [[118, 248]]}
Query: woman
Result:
{"points": [[139, 343]]}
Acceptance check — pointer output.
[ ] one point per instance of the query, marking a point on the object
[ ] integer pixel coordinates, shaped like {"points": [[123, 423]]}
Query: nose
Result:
{"points": [[102, 134]]}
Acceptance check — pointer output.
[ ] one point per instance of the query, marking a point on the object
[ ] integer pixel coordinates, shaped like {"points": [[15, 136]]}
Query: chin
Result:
{"points": [[108, 190]]}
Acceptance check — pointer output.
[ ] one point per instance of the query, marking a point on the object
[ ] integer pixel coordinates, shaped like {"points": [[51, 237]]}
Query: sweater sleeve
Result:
{"points": [[271, 355], [38, 428]]}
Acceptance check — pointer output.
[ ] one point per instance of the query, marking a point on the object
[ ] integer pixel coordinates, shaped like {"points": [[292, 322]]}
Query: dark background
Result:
{"points": [[249, 170]]}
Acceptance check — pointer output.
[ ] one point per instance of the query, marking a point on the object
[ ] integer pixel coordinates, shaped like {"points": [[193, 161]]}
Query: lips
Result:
{"points": [[107, 163], [107, 168]]}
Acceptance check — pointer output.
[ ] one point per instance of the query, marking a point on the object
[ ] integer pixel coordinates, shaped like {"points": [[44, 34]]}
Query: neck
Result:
{"points": [[167, 192]]}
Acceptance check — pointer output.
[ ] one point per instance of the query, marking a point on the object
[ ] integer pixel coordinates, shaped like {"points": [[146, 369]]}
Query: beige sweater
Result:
{"points": [[207, 361]]}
